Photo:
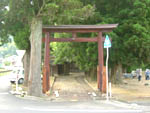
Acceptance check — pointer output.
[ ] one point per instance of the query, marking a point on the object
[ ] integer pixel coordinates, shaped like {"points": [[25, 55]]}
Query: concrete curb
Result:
{"points": [[125, 105]]}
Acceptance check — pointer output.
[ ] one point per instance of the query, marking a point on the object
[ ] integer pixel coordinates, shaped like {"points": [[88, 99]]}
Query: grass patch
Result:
{"points": [[5, 73], [19, 85], [1, 69]]}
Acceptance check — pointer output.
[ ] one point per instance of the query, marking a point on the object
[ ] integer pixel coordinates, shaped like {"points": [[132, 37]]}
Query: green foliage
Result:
{"points": [[62, 51], [22, 39], [130, 41], [8, 49], [7, 63], [83, 54], [21, 13], [3, 10], [131, 38], [66, 12]]}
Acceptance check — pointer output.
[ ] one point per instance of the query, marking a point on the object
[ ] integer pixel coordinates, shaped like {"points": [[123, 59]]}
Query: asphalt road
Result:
{"points": [[12, 104]]}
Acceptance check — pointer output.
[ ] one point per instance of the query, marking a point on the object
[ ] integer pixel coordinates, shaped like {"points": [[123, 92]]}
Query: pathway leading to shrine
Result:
{"points": [[74, 88]]}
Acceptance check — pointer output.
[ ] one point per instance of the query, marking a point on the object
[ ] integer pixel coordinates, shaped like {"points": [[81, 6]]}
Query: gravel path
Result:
{"points": [[73, 88]]}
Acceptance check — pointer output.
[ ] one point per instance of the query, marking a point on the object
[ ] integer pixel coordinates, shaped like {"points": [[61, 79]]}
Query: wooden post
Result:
{"points": [[46, 69], [104, 80], [98, 77], [100, 61]]}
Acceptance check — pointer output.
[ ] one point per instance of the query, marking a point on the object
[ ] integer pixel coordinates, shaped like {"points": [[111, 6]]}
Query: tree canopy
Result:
{"points": [[130, 40], [3, 34]]}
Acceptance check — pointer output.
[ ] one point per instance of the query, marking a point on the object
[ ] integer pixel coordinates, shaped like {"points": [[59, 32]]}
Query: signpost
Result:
{"points": [[107, 45]]}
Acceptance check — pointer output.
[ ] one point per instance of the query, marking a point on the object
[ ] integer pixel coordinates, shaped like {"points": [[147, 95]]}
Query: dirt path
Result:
{"points": [[132, 90], [72, 88]]}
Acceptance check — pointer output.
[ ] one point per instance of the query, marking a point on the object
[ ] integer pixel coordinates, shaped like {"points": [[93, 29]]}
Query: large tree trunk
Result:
{"points": [[116, 74], [35, 86], [26, 65]]}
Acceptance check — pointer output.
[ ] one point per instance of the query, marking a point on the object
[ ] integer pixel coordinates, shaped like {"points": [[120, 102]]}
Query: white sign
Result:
{"points": [[107, 42]]}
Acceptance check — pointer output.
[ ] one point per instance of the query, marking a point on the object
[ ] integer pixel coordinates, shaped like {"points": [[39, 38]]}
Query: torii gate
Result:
{"points": [[74, 29]]}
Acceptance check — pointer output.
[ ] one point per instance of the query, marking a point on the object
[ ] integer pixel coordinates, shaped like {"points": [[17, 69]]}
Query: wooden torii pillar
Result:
{"points": [[74, 29], [46, 67]]}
